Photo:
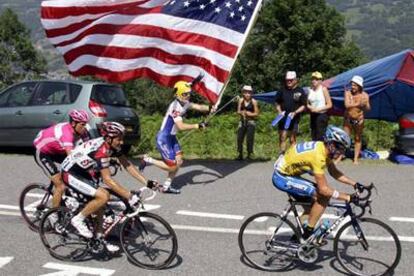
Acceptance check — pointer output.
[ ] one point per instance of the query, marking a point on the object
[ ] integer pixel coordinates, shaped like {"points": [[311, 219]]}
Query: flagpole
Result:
{"points": [[249, 29]]}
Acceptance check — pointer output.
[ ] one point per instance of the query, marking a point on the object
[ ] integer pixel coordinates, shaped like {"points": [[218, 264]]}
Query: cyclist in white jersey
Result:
{"points": [[167, 143], [89, 163]]}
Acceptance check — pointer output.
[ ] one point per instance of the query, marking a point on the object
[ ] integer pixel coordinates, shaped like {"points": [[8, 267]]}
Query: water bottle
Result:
{"points": [[71, 203], [108, 219], [323, 227]]}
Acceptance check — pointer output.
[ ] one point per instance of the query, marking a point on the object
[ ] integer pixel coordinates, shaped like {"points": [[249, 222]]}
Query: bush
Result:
{"points": [[218, 141]]}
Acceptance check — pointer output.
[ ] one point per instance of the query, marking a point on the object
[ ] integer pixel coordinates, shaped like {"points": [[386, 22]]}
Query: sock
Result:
{"points": [[167, 183], [80, 217], [307, 232], [148, 159]]}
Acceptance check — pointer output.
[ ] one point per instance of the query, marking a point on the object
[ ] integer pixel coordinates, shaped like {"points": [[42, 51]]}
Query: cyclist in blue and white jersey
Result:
{"points": [[166, 140]]}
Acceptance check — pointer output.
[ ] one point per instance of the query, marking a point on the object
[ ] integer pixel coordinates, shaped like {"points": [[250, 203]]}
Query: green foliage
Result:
{"points": [[219, 140], [18, 57], [295, 35], [379, 27], [147, 97]]}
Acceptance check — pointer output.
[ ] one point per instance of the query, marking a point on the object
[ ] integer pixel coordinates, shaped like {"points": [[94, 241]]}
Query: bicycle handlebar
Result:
{"points": [[368, 189], [365, 201]]}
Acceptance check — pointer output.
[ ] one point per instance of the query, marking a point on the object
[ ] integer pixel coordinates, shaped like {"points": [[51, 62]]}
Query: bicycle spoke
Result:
{"points": [[150, 242], [35, 201], [367, 247], [64, 244], [266, 241]]}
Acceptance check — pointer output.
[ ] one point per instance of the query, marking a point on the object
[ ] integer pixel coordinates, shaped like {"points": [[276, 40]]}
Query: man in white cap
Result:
{"points": [[248, 109], [356, 104], [290, 102]]}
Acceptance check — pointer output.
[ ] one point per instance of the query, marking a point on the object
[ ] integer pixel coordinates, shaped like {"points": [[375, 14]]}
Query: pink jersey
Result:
{"points": [[55, 139]]}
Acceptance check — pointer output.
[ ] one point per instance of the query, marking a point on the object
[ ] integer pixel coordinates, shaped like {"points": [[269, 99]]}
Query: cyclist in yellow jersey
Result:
{"points": [[314, 158]]}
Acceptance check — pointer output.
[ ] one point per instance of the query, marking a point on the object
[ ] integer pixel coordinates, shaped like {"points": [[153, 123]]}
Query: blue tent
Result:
{"points": [[388, 81], [268, 97]]}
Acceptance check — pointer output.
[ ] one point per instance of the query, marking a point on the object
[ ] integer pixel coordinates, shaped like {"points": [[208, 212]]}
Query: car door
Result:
{"points": [[50, 105], [14, 103]]}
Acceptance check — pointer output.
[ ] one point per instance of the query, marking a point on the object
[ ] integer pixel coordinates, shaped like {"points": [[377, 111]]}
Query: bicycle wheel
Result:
{"points": [[35, 200], [148, 241], [61, 239], [367, 246], [267, 241]]}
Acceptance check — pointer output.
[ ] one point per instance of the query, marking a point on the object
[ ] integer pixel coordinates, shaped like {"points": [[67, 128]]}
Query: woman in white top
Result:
{"points": [[319, 102]]}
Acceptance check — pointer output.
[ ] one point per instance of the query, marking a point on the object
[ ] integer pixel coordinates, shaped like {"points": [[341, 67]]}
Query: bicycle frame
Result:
{"points": [[347, 212]]}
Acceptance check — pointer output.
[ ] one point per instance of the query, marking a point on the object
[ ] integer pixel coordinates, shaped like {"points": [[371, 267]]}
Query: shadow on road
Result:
{"points": [[17, 150], [214, 169]]}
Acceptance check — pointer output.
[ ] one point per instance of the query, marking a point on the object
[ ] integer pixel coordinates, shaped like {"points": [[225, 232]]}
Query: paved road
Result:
{"points": [[216, 197]]}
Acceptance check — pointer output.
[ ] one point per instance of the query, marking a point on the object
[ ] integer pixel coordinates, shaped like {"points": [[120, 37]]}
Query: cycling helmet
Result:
{"points": [[112, 129], [182, 87], [80, 116], [338, 136]]}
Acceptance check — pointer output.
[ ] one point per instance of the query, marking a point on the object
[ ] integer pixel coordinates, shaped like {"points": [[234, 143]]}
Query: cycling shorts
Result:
{"points": [[81, 184], [297, 187], [47, 162], [168, 147]]}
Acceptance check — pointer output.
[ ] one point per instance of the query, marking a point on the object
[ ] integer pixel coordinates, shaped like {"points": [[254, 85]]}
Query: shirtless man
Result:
{"points": [[356, 104]]}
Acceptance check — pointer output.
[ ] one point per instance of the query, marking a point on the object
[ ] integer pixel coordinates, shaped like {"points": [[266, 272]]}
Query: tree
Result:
{"points": [[300, 35], [18, 57]]}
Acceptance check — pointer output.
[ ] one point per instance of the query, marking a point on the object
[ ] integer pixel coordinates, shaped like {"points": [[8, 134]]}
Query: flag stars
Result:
{"points": [[240, 8], [202, 7], [228, 5], [249, 3], [232, 14], [186, 4], [217, 10], [212, 1], [238, 1], [243, 18]]}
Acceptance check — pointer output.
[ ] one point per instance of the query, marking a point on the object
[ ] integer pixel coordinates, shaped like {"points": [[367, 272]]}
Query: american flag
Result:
{"points": [[167, 41]]}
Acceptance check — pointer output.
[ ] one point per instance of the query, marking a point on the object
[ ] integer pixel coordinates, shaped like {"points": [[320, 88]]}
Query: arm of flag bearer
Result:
{"points": [[163, 40]]}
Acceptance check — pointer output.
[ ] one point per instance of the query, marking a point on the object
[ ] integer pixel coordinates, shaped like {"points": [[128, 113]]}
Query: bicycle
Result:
{"points": [[36, 199], [271, 242], [146, 238]]}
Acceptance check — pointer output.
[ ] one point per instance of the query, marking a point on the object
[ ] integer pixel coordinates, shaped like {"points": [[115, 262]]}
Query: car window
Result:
{"points": [[19, 95], [75, 90], [52, 93], [109, 95], [3, 98]]}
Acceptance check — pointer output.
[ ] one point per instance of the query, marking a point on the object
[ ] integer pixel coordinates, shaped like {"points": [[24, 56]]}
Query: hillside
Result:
{"points": [[379, 27]]}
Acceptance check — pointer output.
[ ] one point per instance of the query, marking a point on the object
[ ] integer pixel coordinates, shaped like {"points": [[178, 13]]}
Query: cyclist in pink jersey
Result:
{"points": [[54, 143]]}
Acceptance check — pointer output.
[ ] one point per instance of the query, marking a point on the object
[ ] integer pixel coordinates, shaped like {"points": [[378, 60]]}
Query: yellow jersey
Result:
{"points": [[302, 158]]}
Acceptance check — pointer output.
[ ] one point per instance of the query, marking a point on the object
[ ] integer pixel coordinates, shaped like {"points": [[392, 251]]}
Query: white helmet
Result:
{"points": [[337, 135]]}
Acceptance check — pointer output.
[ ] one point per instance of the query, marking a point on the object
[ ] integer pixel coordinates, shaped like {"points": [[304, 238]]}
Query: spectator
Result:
{"points": [[248, 110], [356, 104], [319, 102], [290, 102]]}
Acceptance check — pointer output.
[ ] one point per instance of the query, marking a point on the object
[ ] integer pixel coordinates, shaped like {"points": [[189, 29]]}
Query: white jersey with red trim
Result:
{"points": [[175, 113], [87, 155]]}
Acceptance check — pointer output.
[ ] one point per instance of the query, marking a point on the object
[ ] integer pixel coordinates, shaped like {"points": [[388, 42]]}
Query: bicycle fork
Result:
{"points": [[359, 234]]}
